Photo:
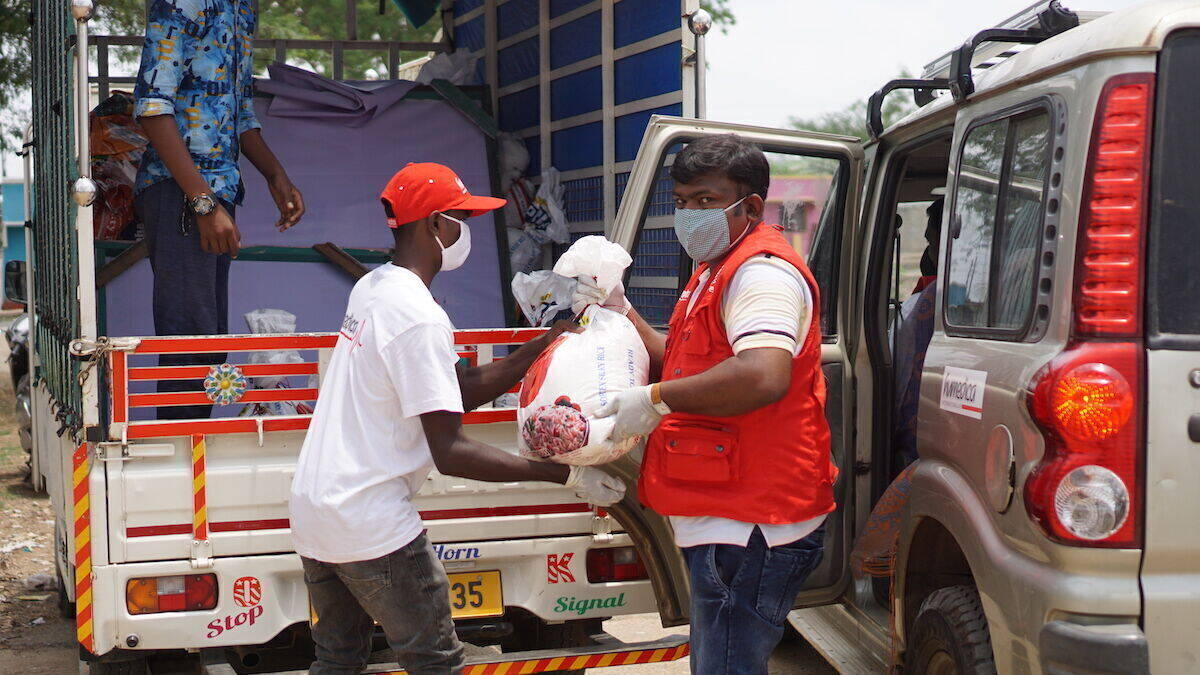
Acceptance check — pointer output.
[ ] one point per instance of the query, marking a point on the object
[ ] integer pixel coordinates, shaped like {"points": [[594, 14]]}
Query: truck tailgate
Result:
{"points": [[150, 504]]}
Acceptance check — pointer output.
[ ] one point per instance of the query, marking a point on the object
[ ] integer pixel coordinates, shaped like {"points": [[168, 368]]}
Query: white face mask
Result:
{"points": [[454, 255], [704, 233]]}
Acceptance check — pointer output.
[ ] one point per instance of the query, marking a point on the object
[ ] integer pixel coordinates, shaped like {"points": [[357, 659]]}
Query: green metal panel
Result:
{"points": [[55, 260]]}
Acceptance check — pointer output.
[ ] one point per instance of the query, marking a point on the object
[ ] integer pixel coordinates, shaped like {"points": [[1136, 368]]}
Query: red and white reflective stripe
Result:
{"points": [[83, 549], [437, 514], [560, 663]]}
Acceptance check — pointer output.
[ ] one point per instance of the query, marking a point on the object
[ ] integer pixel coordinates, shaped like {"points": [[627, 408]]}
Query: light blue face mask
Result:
{"points": [[704, 233]]}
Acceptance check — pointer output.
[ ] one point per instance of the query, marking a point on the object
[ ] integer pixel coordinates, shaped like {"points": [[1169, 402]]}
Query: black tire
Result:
{"points": [[951, 635]]}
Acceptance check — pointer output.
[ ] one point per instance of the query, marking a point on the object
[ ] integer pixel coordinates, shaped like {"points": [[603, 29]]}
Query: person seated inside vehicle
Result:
{"points": [[875, 549], [913, 334]]}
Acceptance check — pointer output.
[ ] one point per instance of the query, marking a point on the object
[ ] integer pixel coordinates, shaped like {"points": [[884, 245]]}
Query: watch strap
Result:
{"points": [[656, 399]]}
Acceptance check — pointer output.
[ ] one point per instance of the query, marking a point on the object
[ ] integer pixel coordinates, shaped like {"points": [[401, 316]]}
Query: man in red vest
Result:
{"points": [[738, 450]]}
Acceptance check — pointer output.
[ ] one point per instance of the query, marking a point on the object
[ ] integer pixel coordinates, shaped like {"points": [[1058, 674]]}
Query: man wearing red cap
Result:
{"points": [[391, 408]]}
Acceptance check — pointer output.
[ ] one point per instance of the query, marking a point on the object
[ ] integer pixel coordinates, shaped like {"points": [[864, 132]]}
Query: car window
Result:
{"points": [[976, 195], [997, 218], [1019, 240], [804, 199]]}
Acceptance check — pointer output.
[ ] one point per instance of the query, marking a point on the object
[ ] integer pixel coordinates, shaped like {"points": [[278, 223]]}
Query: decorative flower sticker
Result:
{"points": [[225, 384]]}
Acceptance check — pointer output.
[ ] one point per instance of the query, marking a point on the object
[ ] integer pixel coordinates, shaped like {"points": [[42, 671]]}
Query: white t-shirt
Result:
{"points": [[366, 454], [766, 304]]}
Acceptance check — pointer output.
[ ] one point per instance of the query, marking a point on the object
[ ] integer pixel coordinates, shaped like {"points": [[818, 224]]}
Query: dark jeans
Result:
{"points": [[406, 591], [191, 287], [741, 596]]}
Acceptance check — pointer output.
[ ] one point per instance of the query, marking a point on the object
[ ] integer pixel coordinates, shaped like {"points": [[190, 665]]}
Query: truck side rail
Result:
{"points": [[476, 346]]}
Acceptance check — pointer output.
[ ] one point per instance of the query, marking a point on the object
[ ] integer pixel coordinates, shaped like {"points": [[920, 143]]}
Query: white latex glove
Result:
{"points": [[595, 486], [588, 293], [636, 415]]}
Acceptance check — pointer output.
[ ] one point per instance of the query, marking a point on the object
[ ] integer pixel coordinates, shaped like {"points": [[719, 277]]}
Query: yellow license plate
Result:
{"points": [[475, 594]]}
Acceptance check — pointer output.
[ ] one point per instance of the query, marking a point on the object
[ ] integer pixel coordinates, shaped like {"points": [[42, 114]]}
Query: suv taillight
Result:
{"points": [[181, 593], [1089, 400], [1086, 490], [1112, 218]]}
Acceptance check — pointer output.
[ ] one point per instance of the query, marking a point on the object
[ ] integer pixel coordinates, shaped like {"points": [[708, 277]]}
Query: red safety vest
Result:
{"points": [[770, 465]]}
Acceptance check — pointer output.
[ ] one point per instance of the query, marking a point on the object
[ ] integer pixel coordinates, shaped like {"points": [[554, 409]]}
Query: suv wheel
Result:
{"points": [[950, 635]]}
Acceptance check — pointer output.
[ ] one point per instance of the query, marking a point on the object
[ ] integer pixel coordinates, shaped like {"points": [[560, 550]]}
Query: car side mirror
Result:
{"points": [[14, 282]]}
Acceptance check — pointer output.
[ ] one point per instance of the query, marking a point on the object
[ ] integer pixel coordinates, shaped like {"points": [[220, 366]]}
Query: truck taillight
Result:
{"points": [[182, 593], [614, 564], [1089, 400], [1112, 217]]}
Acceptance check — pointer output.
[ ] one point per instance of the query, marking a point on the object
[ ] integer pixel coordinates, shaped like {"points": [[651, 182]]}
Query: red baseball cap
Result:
{"points": [[420, 189]]}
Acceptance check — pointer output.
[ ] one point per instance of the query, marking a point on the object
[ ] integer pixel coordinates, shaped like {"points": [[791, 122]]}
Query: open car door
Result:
{"points": [[815, 185]]}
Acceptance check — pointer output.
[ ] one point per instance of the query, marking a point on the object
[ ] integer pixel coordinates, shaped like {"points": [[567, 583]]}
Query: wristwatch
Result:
{"points": [[656, 399], [202, 205]]}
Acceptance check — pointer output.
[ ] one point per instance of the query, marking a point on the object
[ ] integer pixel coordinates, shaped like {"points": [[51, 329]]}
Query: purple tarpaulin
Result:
{"points": [[340, 145]]}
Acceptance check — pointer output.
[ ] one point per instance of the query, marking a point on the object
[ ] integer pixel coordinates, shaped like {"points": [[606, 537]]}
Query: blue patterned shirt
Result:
{"points": [[198, 65]]}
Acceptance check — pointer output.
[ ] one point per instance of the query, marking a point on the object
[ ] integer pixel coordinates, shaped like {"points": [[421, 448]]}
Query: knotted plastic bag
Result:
{"points": [[541, 295], [581, 372]]}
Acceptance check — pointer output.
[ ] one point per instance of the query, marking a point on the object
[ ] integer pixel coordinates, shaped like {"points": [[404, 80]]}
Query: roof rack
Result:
{"points": [[922, 94], [1051, 21], [1035, 23]]}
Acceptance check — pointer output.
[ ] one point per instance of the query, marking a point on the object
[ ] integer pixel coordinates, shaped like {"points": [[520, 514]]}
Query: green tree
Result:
{"points": [[722, 14], [14, 70], [848, 121], [852, 120]]}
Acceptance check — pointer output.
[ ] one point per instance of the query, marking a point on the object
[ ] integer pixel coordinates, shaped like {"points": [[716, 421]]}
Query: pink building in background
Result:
{"points": [[795, 202]]}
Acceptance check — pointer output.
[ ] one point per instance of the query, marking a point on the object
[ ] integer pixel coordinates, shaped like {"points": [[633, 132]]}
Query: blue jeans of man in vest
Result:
{"points": [[741, 596]]}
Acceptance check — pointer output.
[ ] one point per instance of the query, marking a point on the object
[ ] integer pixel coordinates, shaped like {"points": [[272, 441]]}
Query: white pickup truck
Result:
{"points": [[172, 535]]}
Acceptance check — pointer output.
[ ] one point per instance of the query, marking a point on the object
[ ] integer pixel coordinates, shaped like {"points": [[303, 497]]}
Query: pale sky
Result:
{"points": [[805, 57]]}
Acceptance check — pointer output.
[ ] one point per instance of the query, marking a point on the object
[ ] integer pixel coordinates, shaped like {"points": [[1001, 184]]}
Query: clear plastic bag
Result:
{"points": [[541, 295], [269, 321], [596, 258]]}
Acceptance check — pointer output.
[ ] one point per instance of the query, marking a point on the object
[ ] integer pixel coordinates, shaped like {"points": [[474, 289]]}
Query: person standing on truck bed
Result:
{"points": [[194, 96], [738, 452], [391, 408]]}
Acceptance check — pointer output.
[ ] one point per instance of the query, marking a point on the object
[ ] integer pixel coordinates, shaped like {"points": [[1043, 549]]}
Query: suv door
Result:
{"points": [[816, 180]]}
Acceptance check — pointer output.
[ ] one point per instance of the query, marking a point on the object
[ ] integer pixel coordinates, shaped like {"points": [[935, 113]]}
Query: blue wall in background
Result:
{"points": [[12, 212]]}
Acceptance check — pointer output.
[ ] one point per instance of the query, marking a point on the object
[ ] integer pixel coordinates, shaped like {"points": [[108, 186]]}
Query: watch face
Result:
{"points": [[203, 205]]}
